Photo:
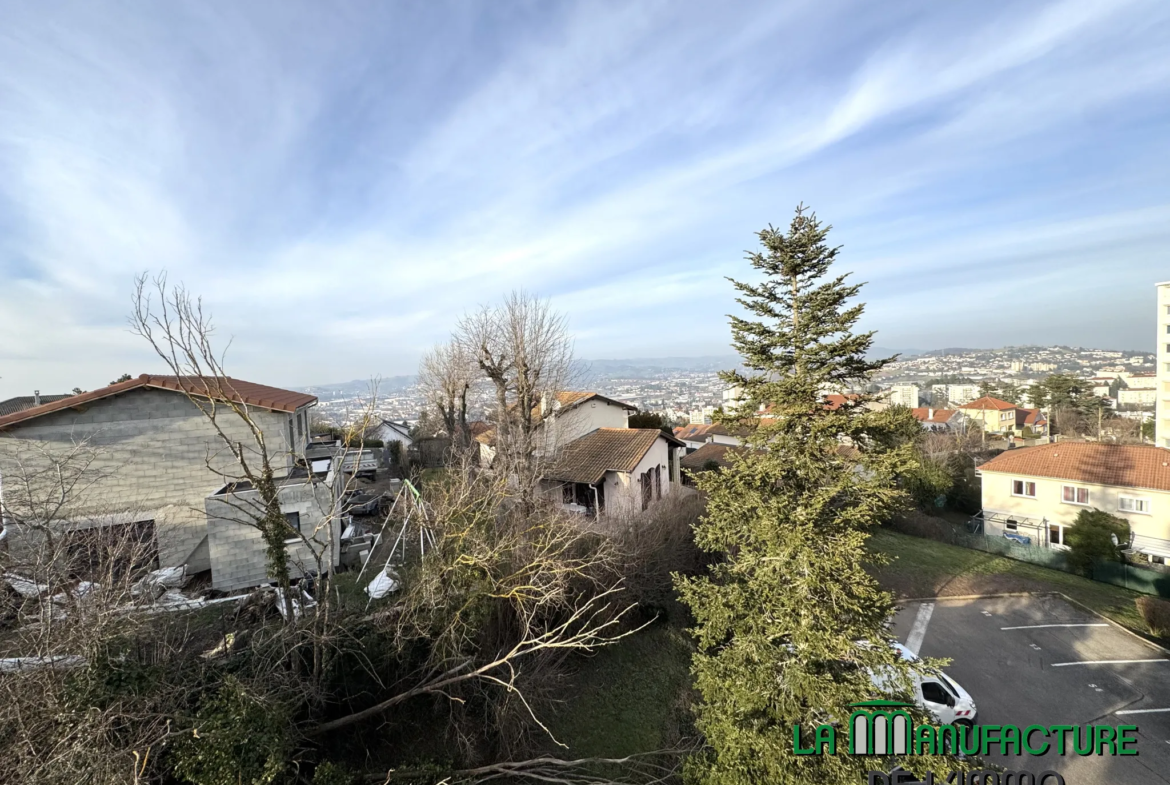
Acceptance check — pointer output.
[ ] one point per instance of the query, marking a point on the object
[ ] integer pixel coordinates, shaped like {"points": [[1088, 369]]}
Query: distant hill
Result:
{"points": [[387, 384], [878, 352], [701, 364]]}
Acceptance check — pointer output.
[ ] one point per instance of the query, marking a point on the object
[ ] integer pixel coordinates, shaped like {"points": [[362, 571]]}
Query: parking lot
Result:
{"points": [[1041, 661]]}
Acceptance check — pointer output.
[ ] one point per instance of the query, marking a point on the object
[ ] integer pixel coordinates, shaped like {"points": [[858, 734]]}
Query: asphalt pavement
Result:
{"points": [[1042, 661]]}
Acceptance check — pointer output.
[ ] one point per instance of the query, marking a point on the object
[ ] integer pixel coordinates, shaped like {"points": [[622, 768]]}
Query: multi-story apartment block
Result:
{"points": [[904, 395], [1162, 403]]}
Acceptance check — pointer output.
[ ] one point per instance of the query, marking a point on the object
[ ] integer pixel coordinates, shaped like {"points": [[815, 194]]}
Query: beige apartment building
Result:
{"points": [[1037, 492], [994, 415]]}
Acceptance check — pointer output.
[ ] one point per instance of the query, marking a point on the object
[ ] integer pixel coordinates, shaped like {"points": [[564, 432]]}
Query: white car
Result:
{"points": [[941, 695]]}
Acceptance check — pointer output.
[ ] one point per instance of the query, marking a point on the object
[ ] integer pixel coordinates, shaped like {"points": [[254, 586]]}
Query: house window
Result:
{"points": [[1070, 494], [294, 520], [300, 425], [1024, 488], [1012, 526], [1055, 534], [647, 490], [1157, 559], [290, 433], [1133, 504], [657, 482]]}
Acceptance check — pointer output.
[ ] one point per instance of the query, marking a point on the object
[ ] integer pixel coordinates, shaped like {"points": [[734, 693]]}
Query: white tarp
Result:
{"points": [[383, 583], [15, 664], [24, 587]]}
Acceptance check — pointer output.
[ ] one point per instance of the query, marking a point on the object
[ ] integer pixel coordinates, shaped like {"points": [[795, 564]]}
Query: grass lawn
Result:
{"points": [[629, 697], [927, 568]]}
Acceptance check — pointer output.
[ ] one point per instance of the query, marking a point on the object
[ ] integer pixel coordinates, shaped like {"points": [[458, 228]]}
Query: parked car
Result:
{"points": [[939, 694]]}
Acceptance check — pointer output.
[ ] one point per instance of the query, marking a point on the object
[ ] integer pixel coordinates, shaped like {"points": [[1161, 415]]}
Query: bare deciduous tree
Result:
{"points": [[524, 350], [445, 378]]}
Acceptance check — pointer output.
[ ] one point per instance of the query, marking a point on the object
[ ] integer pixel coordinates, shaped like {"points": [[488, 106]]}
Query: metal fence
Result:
{"points": [[1001, 546], [1134, 578], [1126, 576]]}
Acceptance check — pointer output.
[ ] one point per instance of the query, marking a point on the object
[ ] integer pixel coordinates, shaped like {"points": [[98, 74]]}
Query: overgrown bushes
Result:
{"points": [[1155, 613], [1095, 536]]}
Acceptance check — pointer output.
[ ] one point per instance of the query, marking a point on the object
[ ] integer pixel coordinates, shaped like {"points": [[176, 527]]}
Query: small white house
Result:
{"points": [[390, 431], [614, 471]]}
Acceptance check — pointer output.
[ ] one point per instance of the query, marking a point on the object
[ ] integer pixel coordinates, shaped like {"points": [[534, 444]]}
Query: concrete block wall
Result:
{"points": [[237, 551], [146, 449]]}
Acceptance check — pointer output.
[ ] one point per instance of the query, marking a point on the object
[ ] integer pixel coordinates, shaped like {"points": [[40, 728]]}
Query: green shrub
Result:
{"points": [[927, 483], [237, 739], [330, 773], [1155, 613], [1095, 536], [966, 491]]}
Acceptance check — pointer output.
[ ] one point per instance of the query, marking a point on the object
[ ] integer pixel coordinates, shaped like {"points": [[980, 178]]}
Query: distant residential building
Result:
{"points": [[1031, 422], [938, 419], [994, 415], [704, 416], [1141, 381], [732, 397], [695, 436], [954, 394], [1042, 367], [391, 431], [1017, 366], [904, 395], [1138, 397], [1137, 360]]}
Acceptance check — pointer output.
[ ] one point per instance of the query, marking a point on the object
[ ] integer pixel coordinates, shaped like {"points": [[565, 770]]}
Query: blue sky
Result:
{"points": [[341, 180]]}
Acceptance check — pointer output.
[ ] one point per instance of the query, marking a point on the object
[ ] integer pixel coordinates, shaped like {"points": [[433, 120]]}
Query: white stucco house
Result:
{"points": [[1034, 494]]}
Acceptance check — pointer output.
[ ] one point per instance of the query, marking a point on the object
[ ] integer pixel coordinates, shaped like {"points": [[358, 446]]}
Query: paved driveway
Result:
{"points": [[1041, 661]]}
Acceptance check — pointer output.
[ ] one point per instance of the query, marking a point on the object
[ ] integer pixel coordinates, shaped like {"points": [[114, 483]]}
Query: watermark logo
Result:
{"points": [[879, 728], [886, 728]]}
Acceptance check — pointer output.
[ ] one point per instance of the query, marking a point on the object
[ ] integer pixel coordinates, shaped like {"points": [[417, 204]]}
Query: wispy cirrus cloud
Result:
{"points": [[341, 183]]}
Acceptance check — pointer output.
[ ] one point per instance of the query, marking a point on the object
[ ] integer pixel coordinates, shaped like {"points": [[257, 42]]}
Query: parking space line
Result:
{"points": [[1105, 662], [1142, 711], [918, 631], [1043, 626]]}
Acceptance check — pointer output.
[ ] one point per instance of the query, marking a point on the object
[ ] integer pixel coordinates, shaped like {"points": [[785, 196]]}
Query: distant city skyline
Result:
{"points": [[340, 183]]}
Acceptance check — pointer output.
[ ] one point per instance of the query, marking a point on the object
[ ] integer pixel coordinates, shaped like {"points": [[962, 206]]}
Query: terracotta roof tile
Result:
{"points": [[987, 402], [604, 450], [250, 393], [698, 431], [923, 414], [1124, 465], [22, 402], [709, 452]]}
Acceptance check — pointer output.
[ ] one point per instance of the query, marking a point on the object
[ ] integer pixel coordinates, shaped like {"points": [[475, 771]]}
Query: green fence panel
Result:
{"points": [[1134, 578]]}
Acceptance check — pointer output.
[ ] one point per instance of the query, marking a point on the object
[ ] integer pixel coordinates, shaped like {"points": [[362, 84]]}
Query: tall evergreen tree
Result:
{"points": [[788, 624]]}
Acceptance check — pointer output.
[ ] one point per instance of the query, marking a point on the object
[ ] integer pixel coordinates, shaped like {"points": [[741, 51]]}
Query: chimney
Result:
{"points": [[36, 397], [930, 414], [545, 404]]}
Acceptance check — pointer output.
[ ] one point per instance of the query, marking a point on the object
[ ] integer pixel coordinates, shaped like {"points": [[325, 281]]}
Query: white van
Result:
{"points": [[941, 695]]}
